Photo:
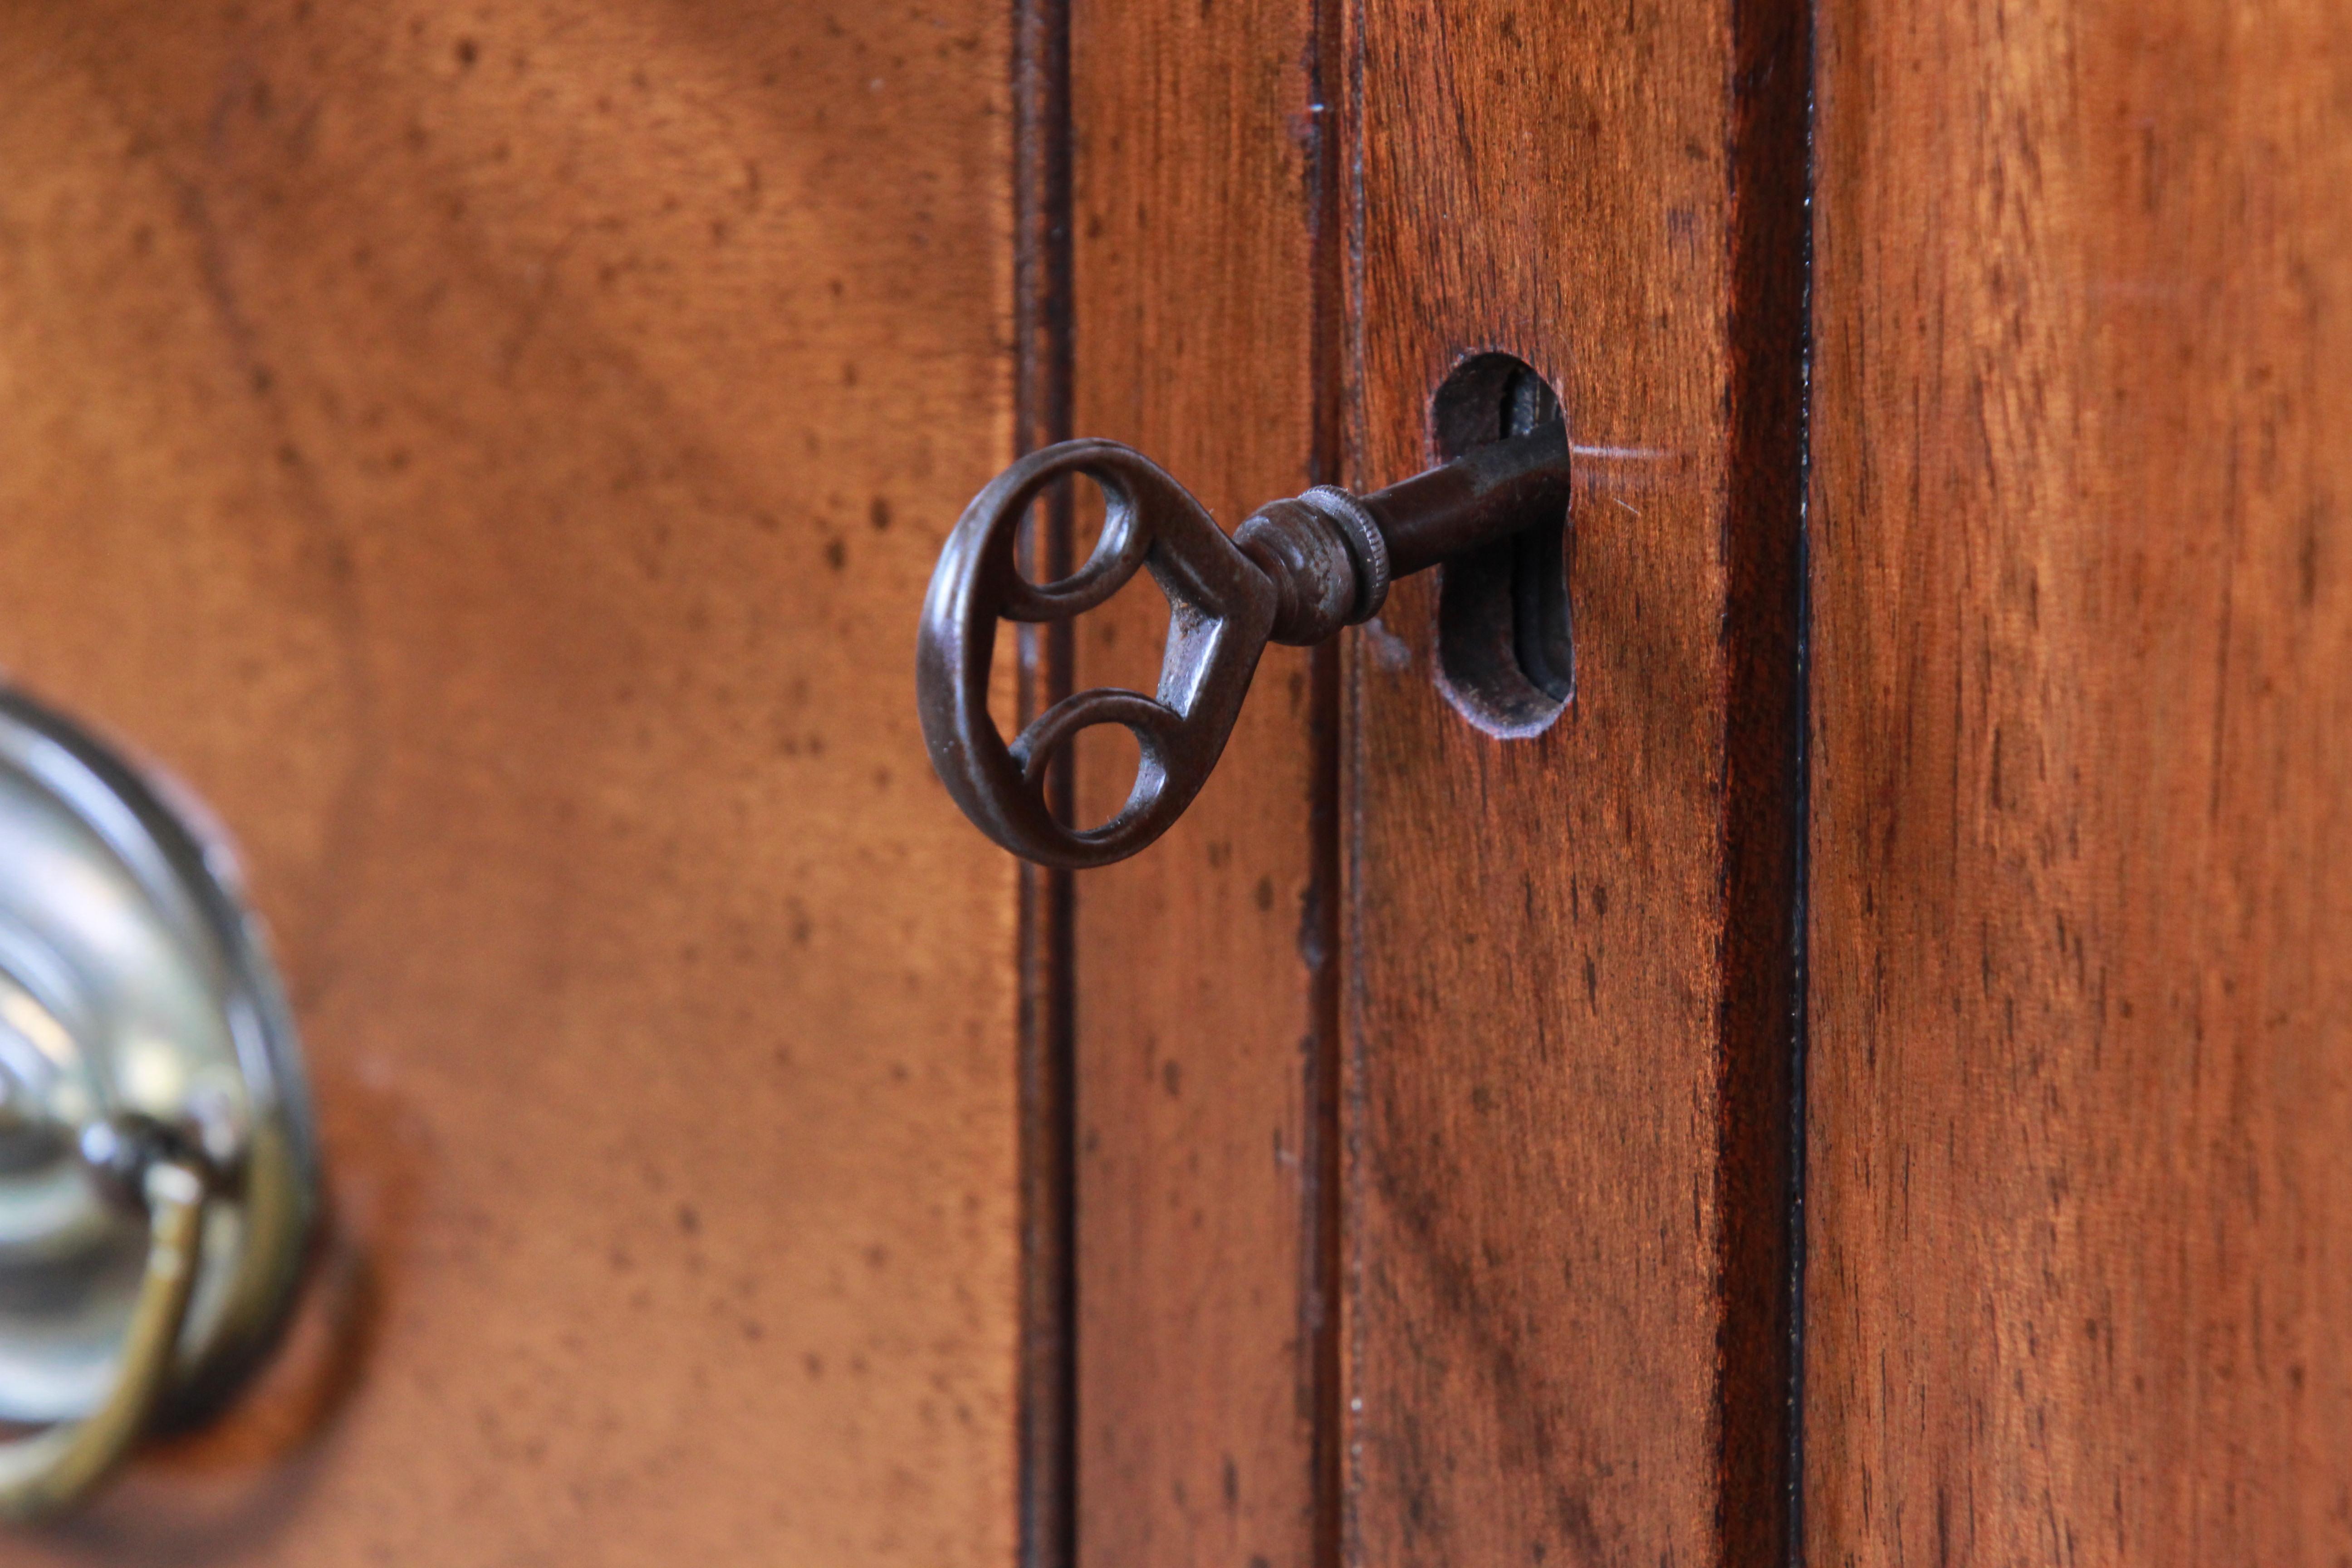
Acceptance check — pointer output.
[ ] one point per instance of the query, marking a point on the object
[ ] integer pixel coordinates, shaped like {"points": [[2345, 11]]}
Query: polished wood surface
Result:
{"points": [[1202, 967], [494, 458], [2081, 1195], [1569, 963]]}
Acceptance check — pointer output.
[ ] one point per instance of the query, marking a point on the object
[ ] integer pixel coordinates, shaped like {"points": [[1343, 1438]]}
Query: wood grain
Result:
{"points": [[1570, 965], [2081, 1208], [1202, 968], [496, 457]]}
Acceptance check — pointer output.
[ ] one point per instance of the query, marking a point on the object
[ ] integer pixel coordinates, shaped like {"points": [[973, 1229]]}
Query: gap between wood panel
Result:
{"points": [[1332, 193], [1042, 348], [1766, 827]]}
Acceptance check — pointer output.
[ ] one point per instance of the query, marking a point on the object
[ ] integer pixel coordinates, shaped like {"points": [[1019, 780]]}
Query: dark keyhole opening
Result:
{"points": [[1505, 645]]}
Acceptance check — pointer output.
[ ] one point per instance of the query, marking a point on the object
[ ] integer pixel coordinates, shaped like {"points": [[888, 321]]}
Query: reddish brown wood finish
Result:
{"points": [[1201, 974], [496, 457], [1569, 957], [2081, 1208]]}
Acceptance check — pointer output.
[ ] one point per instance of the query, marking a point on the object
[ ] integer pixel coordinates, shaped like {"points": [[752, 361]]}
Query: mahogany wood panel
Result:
{"points": [[496, 455], [1202, 968], [1570, 969], [2081, 1197]]}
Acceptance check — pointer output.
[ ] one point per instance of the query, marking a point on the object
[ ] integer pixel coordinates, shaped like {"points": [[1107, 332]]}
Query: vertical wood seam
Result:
{"points": [[1800, 935], [1042, 283], [1332, 211], [1759, 1160], [1343, 72]]}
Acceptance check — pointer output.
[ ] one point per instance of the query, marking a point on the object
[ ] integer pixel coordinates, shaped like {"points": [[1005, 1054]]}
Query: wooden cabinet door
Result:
{"points": [[1868, 1082], [1433, 1117]]}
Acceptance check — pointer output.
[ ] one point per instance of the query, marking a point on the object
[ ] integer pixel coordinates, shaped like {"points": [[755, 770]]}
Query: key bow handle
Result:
{"points": [[1222, 610]]}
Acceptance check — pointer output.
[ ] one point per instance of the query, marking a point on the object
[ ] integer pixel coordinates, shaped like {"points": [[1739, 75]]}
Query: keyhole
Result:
{"points": [[1505, 648]]}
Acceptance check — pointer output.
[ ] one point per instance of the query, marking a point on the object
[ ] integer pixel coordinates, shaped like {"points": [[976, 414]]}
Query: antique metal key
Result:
{"points": [[1295, 571]]}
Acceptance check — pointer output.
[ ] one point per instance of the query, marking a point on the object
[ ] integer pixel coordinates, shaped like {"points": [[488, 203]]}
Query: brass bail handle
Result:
{"points": [[1295, 571], [47, 1474]]}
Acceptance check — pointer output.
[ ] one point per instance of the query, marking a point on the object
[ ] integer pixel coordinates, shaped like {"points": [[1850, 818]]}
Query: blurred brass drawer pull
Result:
{"points": [[157, 1175]]}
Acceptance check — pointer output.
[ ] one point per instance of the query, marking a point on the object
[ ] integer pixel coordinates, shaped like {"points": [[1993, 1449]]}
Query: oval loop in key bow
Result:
{"points": [[1221, 610]]}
